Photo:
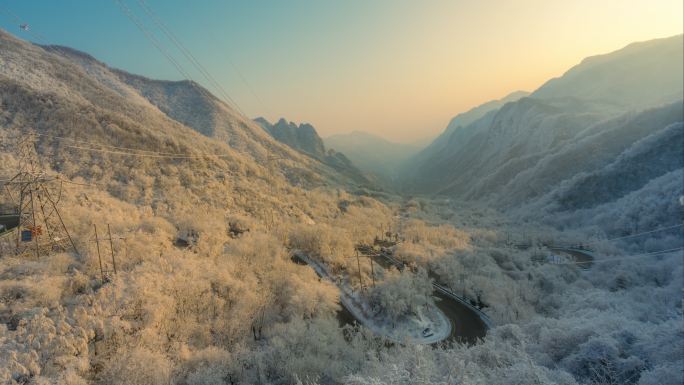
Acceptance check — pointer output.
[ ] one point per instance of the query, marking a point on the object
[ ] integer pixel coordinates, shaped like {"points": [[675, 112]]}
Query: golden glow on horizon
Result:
{"points": [[422, 63]]}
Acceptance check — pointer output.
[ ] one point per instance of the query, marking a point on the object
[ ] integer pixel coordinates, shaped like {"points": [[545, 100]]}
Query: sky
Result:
{"points": [[400, 69]]}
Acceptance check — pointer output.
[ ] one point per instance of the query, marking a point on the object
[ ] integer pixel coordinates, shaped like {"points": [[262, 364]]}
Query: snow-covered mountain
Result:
{"points": [[609, 128], [465, 118], [372, 153], [637, 76], [122, 109], [625, 177], [183, 101], [443, 143], [205, 208], [201, 203]]}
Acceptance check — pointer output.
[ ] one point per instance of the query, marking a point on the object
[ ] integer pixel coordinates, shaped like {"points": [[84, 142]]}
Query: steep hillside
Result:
{"points": [[458, 123], [193, 106], [200, 231], [639, 76], [372, 153], [598, 147], [619, 194], [648, 158], [505, 140], [465, 118], [523, 149], [80, 109]]}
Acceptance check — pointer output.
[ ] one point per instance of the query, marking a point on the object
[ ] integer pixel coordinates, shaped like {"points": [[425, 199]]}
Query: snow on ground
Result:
{"points": [[407, 329]]}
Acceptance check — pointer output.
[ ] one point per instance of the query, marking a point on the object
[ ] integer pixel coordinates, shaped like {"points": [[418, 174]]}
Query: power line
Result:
{"points": [[644, 255], [129, 14], [105, 145], [127, 151], [638, 234], [191, 58]]}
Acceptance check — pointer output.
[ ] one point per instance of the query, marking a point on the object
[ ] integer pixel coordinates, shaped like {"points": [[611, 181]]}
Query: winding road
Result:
{"points": [[584, 258], [354, 311], [468, 323]]}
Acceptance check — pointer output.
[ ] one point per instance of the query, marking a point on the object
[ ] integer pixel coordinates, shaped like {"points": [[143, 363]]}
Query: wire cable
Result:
{"points": [[127, 151], [638, 234], [61, 138], [129, 14], [190, 57], [644, 255]]}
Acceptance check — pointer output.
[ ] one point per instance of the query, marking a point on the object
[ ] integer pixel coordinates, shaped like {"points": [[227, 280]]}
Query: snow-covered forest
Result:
{"points": [[192, 278]]}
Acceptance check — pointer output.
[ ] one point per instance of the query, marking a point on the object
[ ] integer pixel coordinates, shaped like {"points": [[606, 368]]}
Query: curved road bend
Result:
{"points": [[584, 258], [467, 324]]}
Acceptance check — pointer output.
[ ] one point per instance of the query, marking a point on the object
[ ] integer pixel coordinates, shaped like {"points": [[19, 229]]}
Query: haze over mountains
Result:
{"points": [[596, 114], [372, 153], [207, 208], [506, 152]]}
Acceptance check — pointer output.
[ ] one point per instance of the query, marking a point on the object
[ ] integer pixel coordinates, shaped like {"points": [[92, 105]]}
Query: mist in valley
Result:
{"points": [[153, 233]]}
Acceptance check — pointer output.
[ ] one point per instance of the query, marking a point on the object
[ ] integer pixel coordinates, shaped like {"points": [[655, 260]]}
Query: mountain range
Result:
{"points": [[536, 148], [206, 210], [161, 145]]}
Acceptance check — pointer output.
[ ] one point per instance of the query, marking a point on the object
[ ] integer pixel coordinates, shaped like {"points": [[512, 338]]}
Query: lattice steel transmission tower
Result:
{"points": [[41, 228]]}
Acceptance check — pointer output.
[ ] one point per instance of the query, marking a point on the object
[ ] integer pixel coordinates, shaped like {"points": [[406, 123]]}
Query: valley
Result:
{"points": [[537, 240]]}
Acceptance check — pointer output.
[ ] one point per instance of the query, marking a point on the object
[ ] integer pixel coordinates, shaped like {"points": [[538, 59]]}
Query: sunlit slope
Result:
{"points": [[62, 92]]}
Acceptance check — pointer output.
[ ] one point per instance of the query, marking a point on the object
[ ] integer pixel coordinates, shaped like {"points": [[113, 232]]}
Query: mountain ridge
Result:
{"points": [[305, 139], [527, 150]]}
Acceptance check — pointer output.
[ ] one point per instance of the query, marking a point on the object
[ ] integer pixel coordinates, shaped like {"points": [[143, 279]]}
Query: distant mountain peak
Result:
{"points": [[263, 122], [301, 137], [304, 138]]}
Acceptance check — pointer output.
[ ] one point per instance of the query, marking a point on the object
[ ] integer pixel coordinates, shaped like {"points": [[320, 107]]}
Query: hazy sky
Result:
{"points": [[399, 69]]}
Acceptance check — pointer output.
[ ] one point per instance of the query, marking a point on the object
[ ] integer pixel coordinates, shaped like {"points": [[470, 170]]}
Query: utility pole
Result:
{"points": [[370, 257], [111, 247], [99, 257], [358, 263]]}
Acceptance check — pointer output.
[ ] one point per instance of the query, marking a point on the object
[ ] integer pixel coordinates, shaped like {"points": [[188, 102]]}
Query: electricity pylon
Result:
{"points": [[41, 228]]}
